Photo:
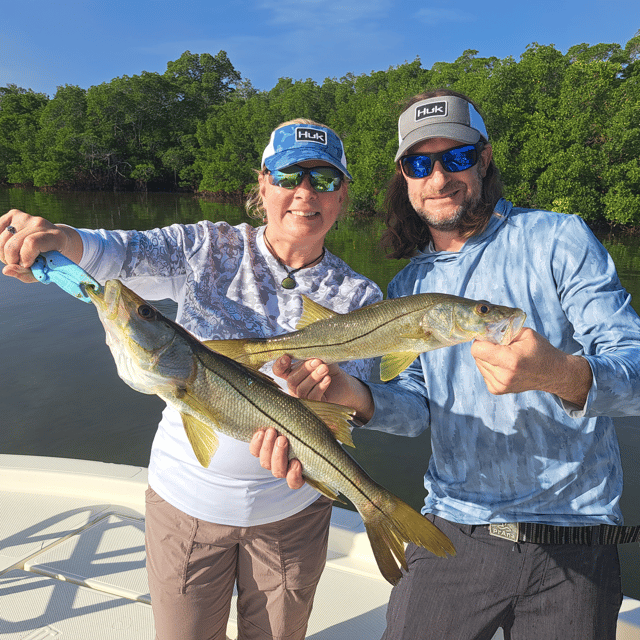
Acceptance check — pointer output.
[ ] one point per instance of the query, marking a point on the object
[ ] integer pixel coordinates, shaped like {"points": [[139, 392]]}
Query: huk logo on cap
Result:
{"points": [[431, 110], [311, 135]]}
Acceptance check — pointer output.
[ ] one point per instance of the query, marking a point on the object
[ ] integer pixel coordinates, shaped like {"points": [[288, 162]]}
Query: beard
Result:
{"points": [[461, 217], [459, 221]]}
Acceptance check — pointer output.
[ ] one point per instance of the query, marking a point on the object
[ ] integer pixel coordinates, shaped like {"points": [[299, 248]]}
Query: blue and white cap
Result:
{"points": [[295, 143], [440, 117]]}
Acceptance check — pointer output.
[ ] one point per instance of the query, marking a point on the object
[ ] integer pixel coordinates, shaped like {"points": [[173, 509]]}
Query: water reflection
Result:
{"points": [[61, 396]]}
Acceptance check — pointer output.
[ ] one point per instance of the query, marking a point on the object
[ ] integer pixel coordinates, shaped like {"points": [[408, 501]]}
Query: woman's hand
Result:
{"points": [[314, 380], [23, 237], [273, 451]]}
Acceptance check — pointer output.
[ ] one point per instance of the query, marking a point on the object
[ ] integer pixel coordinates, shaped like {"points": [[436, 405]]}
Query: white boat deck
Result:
{"points": [[72, 560]]}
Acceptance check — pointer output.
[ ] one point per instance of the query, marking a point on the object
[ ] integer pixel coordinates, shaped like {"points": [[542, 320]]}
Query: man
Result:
{"points": [[525, 476]]}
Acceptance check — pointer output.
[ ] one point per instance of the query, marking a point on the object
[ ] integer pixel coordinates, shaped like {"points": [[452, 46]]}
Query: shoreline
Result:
{"points": [[238, 198]]}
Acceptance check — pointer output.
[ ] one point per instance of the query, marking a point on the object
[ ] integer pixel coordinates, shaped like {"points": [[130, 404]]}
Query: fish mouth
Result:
{"points": [[107, 300], [504, 331], [93, 293]]}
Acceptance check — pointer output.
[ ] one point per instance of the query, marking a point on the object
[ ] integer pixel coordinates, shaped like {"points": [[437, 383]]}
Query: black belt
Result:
{"points": [[552, 534]]}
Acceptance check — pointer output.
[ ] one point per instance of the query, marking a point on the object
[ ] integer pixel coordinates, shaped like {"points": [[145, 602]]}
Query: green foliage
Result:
{"points": [[231, 142], [565, 128], [19, 114], [200, 82], [60, 136]]}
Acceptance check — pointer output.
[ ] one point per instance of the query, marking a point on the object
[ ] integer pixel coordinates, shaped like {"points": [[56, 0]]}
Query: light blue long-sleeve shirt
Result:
{"points": [[526, 457]]}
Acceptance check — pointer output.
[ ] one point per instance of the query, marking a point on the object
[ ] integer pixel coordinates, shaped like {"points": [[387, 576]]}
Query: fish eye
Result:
{"points": [[483, 308], [146, 312]]}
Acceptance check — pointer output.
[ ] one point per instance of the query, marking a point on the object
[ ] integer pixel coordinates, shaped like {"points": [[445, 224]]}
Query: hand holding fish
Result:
{"points": [[273, 451], [23, 237], [309, 379], [313, 379], [305, 379], [531, 363]]}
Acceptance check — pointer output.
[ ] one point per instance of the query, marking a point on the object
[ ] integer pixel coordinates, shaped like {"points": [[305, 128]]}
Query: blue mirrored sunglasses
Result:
{"points": [[420, 165], [322, 179]]}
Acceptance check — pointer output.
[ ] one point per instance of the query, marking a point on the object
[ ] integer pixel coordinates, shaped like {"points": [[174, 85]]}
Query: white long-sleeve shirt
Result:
{"points": [[227, 285]]}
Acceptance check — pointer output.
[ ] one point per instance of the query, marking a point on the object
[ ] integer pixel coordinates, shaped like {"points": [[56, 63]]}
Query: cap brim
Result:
{"points": [[293, 156], [453, 131]]}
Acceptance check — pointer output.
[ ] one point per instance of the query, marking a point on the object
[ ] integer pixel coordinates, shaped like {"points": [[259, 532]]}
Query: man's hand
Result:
{"points": [[530, 363], [308, 379]]}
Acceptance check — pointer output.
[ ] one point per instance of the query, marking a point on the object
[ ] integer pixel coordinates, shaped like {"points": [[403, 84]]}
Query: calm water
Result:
{"points": [[61, 396]]}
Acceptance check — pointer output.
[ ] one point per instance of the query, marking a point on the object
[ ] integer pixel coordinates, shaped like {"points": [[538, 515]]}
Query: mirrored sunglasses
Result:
{"points": [[322, 179], [420, 165]]}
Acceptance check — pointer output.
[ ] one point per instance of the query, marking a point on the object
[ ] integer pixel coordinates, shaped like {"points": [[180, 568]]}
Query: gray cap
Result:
{"points": [[441, 117]]}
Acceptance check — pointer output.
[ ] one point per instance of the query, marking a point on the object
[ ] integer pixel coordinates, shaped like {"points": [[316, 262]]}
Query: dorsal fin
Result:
{"points": [[312, 312]]}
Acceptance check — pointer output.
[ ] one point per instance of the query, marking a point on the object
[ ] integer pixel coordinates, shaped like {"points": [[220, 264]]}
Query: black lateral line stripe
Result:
{"points": [[277, 341], [285, 430]]}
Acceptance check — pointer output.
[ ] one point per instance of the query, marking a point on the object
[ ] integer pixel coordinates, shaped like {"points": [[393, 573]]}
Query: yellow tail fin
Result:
{"points": [[388, 531]]}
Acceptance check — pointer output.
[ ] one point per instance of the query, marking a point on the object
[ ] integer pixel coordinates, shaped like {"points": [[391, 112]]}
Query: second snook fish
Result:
{"points": [[216, 394], [397, 329]]}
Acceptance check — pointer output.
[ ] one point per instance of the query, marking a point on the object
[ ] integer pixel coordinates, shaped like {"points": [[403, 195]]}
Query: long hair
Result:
{"points": [[253, 204], [406, 230]]}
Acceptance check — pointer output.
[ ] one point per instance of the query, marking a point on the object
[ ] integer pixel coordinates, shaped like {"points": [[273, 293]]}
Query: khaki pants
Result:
{"points": [[193, 566]]}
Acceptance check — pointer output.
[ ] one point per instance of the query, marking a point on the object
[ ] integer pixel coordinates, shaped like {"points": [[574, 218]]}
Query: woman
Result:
{"points": [[233, 522]]}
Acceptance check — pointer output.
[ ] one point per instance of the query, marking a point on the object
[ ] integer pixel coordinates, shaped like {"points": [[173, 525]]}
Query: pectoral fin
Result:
{"points": [[202, 437], [312, 312], [336, 417], [393, 364], [199, 423]]}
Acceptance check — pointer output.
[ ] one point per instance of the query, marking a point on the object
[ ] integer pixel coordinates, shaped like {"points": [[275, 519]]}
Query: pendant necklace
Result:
{"points": [[289, 282]]}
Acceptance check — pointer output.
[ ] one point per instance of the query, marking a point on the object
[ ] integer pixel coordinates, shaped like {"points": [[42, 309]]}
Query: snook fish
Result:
{"points": [[216, 394], [397, 329]]}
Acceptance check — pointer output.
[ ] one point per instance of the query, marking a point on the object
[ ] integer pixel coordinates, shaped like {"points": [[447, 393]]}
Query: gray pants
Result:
{"points": [[564, 592]]}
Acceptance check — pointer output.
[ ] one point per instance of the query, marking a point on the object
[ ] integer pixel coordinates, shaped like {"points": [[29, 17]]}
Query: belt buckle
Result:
{"points": [[506, 530]]}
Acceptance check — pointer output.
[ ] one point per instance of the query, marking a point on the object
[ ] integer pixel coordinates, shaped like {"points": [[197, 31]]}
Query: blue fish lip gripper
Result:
{"points": [[52, 266]]}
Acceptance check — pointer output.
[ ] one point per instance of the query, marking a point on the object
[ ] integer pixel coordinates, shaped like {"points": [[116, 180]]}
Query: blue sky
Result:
{"points": [[44, 44]]}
